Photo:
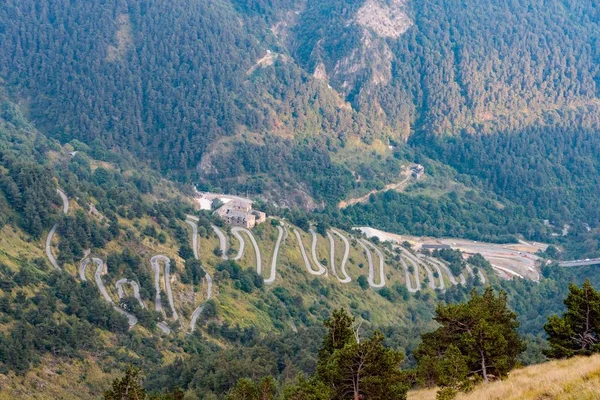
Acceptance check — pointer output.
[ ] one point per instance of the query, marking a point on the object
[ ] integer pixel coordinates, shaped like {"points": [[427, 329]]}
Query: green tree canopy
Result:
{"points": [[127, 388], [577, 331], [476, 339]]}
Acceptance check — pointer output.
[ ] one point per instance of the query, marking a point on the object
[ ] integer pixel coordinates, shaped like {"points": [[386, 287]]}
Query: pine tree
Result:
{"points": [[246, 389], [577, 332], [483, 330], [355, 369], [127, 388]]}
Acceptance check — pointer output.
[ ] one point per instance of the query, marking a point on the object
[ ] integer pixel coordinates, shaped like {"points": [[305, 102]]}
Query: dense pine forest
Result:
{"points": [[125, 106]]}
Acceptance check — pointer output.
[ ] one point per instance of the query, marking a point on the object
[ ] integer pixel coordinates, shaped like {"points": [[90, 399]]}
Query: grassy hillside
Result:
{"points": [[573, 379]]}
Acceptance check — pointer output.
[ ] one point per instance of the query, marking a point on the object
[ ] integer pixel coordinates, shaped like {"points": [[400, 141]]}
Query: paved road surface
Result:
{"points": [[580, 263], [98, 278], [236, 231], [428, 264], [271, 277], [365, 245], [508, 271], [82, 266], [242, 243], [415, 263], [49, 254], [313, 251], [222, 241], [167, 279], [429, 275], [134, 285], [192, 222], [321, 270], [409, 285], [346, 277], [446, 269], [163, 327], [65, 200]]}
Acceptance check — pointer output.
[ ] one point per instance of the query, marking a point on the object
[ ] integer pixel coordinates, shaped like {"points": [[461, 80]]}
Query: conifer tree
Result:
{"points": [[577, 332], [483, 330], [127, 388], [355, 369]]}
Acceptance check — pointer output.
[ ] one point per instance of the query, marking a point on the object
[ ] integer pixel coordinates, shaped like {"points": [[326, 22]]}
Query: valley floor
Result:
{"points": [[575, 378]]}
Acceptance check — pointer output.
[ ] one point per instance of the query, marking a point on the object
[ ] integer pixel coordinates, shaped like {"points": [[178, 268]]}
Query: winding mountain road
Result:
{"points": [[82, 266], [428, 264], [134, 285], [242, 243], [167, 280], [479, 273], [65, 201], [472, 273], [409, 286], [98, 278], [273, 274], [321, 271], [192, 221], [313, 251], [236, 232], [346, 277], [365, 245], [429, 275], [222, 241], [415, 263], [446, 269]]}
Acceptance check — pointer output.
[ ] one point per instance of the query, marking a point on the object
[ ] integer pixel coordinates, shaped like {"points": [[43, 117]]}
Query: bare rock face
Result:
{"points": [[379, 20], [386, 20], [373, 55], [320, 72]]}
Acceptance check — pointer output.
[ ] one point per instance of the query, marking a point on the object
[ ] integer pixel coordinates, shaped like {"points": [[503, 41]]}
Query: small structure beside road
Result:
{"points": [[233, 210], [240, 213]]}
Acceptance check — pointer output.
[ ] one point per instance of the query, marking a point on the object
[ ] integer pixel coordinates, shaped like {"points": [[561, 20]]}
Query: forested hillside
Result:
{"points": [[288, 99], [111, 111]]}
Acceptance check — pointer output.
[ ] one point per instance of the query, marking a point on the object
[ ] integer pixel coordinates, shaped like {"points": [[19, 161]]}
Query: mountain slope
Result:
{"points": [[274, 98], [575, 378]]}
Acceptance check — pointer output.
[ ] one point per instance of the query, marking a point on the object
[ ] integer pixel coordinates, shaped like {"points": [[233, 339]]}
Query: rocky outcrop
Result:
{"points": [[386, 20]]}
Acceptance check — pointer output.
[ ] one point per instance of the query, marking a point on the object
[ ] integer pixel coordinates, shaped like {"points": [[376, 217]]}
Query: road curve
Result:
{"points": [[65, 200], [164, 327], [49, 254], [409, 286], [222, 241], [242, 242], [313, 250], [82, 266], [321, 270], [236, 231], [273, 274], [167, 279], [191, 222], [346, 277], [479, 273], [415, 263], [428, 264], [365, 245], [472, 273], [134, 285], [446, 269], [506, 270], [98, 278], [429, 275]]}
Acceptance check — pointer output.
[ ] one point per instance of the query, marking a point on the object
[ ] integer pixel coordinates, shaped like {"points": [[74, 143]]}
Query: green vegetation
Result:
{"points": [[498, 102], [476, 339], [577, 331]]}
